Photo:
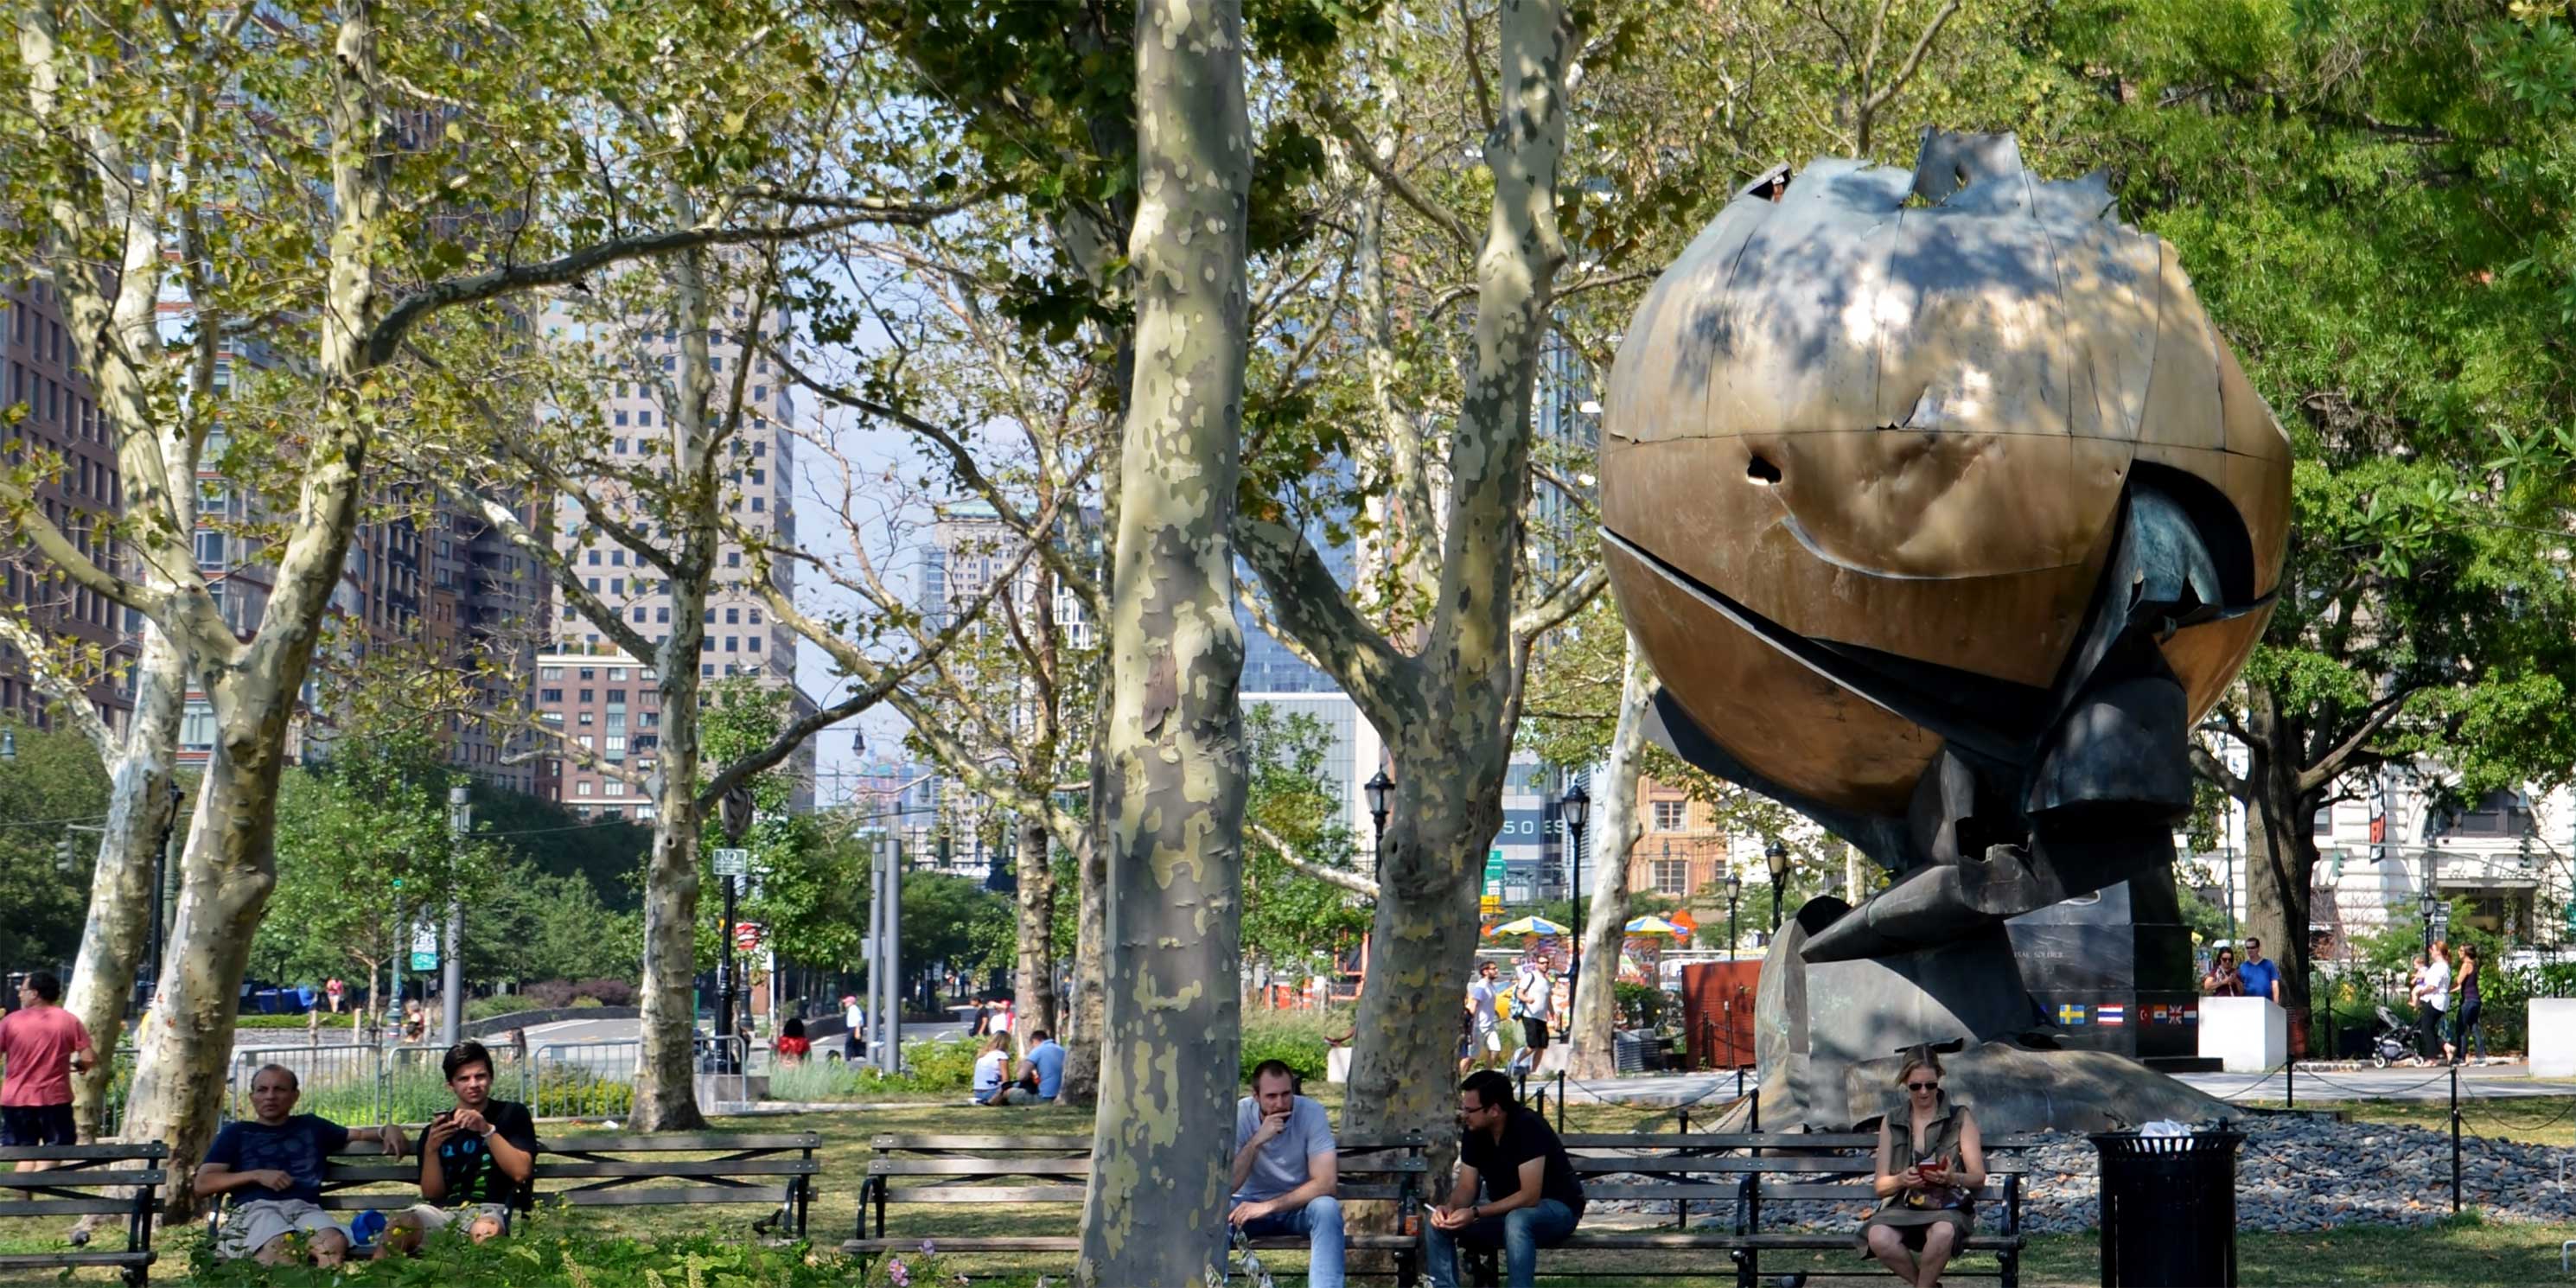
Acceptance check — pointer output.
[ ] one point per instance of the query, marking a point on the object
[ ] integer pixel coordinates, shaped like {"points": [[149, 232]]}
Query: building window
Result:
{"points": [[581, 788], [614, 787], [549, 695], [1672, 876], [1671, 816]]}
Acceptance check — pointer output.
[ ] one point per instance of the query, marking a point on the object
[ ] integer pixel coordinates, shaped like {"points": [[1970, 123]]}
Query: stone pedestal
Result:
{"points": [[2112, 971], [1830, 1036], [1337, 1064], [2553, 1037], [2244, 1034]]}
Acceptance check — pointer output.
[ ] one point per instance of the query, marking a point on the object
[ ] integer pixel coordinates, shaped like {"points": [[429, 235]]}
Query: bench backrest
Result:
{"points": [[601, 1171], [62, 1189], [1714, 1166], [1057, 1169]]}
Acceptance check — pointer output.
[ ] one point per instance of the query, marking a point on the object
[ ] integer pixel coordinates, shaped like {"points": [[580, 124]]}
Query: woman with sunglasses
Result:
{"points": [[2222, 980], [1931, 1164]]}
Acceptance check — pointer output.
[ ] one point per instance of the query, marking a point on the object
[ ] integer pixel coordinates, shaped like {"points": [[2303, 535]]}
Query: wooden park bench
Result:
{"points": [[1740, 1172], [615, 1171], [86, 1182], [1013, 1172]]}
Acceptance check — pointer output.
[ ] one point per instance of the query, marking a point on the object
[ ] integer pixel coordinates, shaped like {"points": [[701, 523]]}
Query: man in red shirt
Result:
{"points": [[41, 1045]]}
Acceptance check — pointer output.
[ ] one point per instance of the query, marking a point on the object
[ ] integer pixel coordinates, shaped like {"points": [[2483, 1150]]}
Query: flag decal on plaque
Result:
{"points": [[2070, 1013], [2112, 1013]]}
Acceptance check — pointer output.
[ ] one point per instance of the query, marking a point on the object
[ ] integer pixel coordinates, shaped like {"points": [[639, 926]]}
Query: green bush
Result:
{"points": [[1641, 1006], [329, 1021], [943, 1067], [572, 1091], [1298, 1039]]}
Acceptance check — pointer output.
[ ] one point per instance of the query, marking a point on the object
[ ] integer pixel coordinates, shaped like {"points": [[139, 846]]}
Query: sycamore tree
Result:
{"points": [[380, 173], [999, 431], [2377, 206]]}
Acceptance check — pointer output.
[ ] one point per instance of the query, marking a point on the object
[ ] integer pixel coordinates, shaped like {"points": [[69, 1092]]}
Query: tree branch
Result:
{"points": [[46, 671], [386, 336], [1313, 606], [1343, 877], [2332, 765], [1446, 221], [1567, 600]]}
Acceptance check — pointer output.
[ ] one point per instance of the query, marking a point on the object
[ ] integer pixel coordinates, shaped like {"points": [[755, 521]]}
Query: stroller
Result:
{"points": [[2393, 1042]]}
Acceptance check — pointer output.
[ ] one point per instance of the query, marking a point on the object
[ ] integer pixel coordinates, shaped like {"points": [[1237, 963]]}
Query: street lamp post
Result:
{"points": [[1377, 789], [1734, 887], [1777, 856], [1577, 806]]}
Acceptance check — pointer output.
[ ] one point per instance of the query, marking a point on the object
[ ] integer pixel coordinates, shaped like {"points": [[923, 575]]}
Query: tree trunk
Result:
{"points": [[119, 926], [1154, 1216], [2280, 841], [665, 1072], [1451, 750], [227, 871], [1090, 964], [1033, 978], [1596, 1008]]}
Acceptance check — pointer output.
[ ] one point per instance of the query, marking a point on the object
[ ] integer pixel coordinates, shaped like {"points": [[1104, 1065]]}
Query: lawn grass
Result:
{"points": [[2465, 1252]]}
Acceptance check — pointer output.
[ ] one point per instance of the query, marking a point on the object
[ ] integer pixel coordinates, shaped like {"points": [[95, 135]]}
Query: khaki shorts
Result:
{"points": [[429, 1219], [250, 1226]]}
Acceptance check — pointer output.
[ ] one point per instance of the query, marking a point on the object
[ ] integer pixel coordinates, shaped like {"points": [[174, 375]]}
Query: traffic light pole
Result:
{"points": [[724, 979]]}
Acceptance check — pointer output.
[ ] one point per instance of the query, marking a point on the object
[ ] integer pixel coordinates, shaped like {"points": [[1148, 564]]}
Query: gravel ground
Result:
{"points": [[2293, 1173]]}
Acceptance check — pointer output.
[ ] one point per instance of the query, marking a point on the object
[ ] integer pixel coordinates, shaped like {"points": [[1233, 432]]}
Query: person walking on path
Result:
{"points": [[1532, 1198], [41, 1047], [2464, 1017], [1286, 1170], [1533, 1002], [2432, 1000], [1484, 996]]}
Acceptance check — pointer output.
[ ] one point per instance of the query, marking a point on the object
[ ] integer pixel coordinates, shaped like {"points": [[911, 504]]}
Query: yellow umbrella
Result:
{"points": [[1528, 926], [1651, 925]]}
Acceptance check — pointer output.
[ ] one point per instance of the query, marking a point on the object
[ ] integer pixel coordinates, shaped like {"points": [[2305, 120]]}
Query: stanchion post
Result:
{"points": [[2455, 1140], [1560, 1101], [2290, 1083]]}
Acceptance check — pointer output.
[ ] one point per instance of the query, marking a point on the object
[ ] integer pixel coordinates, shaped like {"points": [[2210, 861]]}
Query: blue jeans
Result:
{"points": [[1520, 1233], [1320, 1222]]}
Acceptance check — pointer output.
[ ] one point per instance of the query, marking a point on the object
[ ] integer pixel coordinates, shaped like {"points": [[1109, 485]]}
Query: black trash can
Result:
{"points": [[2169, 1208]]}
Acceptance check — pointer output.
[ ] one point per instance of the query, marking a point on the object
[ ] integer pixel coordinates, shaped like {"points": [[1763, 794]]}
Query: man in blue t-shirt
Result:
{"points": [[2260, 978], [1285, 1171], [1043, 1065], [272, 1168]]}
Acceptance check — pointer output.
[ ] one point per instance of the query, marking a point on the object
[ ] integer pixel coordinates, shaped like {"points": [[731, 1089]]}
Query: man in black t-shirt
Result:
{"points": [[1532, 1199], [475, 1159]]}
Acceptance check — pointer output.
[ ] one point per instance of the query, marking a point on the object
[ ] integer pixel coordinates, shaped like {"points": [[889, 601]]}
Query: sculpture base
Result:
{"points": [[1829, 1038]]}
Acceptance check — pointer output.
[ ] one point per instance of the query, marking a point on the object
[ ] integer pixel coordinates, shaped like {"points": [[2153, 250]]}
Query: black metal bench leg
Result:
{"points": [[2011, 1275]]}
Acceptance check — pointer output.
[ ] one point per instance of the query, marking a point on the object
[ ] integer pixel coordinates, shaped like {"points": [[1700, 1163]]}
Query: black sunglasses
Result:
{"points": [[1922, 1086]]}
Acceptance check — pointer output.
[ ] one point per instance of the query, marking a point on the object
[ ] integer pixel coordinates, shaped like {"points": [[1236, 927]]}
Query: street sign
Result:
{"points": [[732, 862], [746, 935], [1490, 905], [424, 961]]}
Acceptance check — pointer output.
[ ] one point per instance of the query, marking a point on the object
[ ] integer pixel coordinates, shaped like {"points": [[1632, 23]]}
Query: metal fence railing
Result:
{"points": [[580, 1079]]}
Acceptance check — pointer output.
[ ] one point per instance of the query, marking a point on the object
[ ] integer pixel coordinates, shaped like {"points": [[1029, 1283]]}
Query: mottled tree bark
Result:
{"points": [[1033, 973], [665, 1071], [119, 925], [1614, 815], [2280, 841], [1155, 1213]]}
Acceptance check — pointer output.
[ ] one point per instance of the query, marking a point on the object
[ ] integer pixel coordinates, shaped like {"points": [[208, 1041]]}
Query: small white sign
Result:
{"points": [[732, 862]]}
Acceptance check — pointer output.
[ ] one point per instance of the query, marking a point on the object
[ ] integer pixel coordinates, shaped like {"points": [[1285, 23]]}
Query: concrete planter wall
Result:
{"points": [[2245, 1034], [2553, 1037]]}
